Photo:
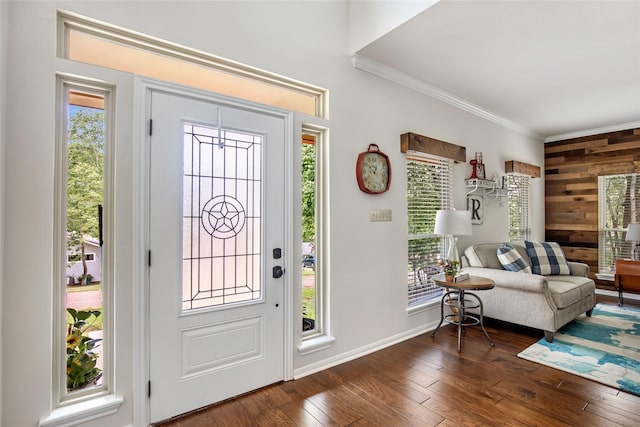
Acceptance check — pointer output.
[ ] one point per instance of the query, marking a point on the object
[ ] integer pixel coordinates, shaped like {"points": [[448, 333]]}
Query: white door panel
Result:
{"points": [[216, 214]]}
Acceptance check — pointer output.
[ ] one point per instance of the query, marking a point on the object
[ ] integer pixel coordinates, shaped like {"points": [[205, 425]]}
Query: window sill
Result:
{"points": [[82, 412], [605, 276], [419, 308], [314, 344]]}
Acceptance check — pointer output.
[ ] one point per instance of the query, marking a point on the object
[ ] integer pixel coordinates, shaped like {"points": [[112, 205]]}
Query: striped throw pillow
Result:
{"points": [[511, 259], [547, 258]]}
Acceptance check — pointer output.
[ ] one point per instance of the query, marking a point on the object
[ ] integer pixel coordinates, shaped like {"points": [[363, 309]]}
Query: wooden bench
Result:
{"points": [[627, 278]]}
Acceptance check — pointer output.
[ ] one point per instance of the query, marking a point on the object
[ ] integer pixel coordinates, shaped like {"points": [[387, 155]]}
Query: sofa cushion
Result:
{"points": [[547, 258], [567, 290], [485, 255], [511, 259]]}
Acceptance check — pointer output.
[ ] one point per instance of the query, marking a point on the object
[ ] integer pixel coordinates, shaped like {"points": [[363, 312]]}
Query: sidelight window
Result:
{"points": [[312, 261], [314, 307], [82, 282]]}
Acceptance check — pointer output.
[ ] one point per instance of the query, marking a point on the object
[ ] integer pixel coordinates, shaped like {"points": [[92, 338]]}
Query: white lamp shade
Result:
{"points": [[456, 223], [633, 232]]}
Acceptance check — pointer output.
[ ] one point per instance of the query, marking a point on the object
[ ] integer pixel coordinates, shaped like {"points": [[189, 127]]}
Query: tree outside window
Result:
{"points": [[309, 291], [85, 196], [618, 201], [85, 180]]}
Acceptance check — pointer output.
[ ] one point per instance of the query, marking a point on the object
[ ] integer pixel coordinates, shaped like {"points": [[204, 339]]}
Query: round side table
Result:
{"points": [[460, 300]]}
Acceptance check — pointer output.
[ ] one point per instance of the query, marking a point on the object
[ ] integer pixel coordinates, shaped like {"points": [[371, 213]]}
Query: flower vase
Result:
{"points": [[449, 277]]}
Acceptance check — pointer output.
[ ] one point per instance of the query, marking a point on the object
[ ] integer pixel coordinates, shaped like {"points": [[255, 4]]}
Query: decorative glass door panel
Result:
{"points": [[222, 207]]}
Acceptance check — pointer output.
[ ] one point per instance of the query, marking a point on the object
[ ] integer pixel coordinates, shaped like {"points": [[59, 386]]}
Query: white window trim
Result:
{"points": [[70, 408], [82, 412], [425, 306], [71, 21], [320, 338]]}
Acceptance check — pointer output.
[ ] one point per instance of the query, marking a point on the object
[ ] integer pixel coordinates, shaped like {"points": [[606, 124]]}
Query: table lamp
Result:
{"points": [[633, 234], [453, 223]]}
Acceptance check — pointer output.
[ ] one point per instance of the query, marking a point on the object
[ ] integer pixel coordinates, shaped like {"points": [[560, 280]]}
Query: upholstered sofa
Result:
{"points": [[537, 301]]}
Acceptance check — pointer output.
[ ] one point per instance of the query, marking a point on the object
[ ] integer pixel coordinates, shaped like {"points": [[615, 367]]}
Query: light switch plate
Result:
{"points": [[380, 215]]}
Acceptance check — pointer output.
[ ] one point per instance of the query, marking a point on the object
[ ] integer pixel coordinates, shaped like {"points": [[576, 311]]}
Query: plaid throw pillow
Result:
{"points": [[511, 259], [547, 258]]}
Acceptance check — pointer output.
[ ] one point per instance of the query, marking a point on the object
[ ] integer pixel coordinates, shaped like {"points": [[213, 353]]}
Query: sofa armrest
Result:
{"points": [[579, 268], [509, 279]]}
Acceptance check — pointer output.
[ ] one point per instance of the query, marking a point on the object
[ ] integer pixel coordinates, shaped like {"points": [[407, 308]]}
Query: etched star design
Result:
{"points": [[224, 217]]}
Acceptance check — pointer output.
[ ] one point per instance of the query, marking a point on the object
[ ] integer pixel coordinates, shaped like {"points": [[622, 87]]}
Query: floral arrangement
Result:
{"points": [[449, 268]]}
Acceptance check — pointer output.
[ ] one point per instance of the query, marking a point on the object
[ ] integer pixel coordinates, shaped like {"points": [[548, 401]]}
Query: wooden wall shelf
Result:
{"points": [[513, 166], [423, 144]]}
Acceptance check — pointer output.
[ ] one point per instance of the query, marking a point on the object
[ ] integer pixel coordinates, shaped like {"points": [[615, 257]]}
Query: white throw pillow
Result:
{"points": [[511, 259]]}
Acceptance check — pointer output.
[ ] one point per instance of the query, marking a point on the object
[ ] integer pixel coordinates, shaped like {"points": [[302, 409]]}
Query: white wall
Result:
{"points": [[3, 107], [302, 40], [370, 20], [31, 192]]}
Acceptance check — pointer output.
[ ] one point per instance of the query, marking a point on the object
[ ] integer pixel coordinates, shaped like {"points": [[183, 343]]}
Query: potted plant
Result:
{"points": [[449, 268], [81, 357]]}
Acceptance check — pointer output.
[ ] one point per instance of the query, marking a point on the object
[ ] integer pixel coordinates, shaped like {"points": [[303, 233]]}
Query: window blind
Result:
{"points": [[618, 206], [518, 186], [429, 189]]}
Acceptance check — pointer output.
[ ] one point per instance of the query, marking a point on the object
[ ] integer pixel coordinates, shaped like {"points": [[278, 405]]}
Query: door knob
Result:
{"points": [[277, 272]]}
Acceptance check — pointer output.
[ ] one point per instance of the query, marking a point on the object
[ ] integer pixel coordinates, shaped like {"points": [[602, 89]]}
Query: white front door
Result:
{"points": [[216, 212]]}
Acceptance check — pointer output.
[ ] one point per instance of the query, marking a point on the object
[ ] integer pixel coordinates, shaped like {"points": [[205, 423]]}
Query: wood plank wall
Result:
{"points": [[572, 168]]}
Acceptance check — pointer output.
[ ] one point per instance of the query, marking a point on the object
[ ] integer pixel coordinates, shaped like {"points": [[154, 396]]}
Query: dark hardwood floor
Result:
{"points": [[425, 382]]}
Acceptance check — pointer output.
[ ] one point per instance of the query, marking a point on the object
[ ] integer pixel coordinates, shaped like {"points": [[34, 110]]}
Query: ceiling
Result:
{"points": [[552, 69]]}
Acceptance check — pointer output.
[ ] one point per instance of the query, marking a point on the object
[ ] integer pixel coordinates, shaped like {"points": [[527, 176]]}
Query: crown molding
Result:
{"points": [[369, 65], [594, 131]]}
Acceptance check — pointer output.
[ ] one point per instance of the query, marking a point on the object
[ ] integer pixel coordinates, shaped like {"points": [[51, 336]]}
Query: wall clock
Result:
{"points": [[373, 170]]}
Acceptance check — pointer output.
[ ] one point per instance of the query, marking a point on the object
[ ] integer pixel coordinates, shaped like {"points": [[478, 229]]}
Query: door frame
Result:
{"points": [[140, 233]]}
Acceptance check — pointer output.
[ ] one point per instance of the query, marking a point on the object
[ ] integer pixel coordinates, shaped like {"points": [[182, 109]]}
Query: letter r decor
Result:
{"points": [[475, 207]]}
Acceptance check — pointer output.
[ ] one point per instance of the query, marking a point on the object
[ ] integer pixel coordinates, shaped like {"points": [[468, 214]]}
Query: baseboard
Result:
{"points": [[362, 351]]}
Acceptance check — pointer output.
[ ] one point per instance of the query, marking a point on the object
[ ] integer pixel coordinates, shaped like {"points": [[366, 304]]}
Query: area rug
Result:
{"points": [[604, 347]]}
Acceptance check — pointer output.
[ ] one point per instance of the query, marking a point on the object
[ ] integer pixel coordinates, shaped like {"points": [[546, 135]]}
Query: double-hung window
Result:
{"points": [[429, 189], [618, 206], [518, 201]]}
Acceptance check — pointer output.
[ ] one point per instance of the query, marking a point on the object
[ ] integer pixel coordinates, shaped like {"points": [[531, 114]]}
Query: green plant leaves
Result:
{"points": [[81, 360]]}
